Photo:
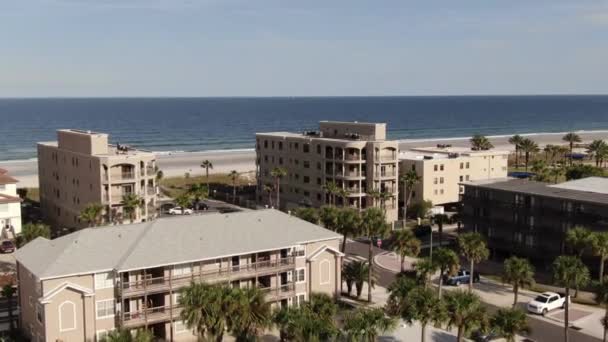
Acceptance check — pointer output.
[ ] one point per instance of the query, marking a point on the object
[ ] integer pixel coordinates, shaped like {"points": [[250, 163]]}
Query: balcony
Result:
{"points": [[150, 171], [388, 173], [162, 284], [386, 157], [151, 191], [354, 157], [120, 177]]}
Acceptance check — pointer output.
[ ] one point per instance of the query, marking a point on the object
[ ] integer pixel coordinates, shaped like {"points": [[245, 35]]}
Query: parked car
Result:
{"points": [[481, 336], [180, 211], [7, 246], [546, 302], [461, 277]]}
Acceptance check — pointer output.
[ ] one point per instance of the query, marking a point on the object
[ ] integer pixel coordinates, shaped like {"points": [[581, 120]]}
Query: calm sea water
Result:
{"points": [[198, 124]]}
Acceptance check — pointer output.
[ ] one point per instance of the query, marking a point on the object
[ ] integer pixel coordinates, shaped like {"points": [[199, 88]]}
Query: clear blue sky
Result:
{"points": [[302, 48]]}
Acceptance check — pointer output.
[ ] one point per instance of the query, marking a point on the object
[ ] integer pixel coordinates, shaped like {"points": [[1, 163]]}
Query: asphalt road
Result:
{"points": [[541, 330]]}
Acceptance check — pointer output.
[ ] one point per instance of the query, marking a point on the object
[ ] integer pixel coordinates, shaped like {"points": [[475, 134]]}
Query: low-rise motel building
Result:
{"points": [[10, 206], [356, 156], [83, 285], [81, 168], [442, 168]]}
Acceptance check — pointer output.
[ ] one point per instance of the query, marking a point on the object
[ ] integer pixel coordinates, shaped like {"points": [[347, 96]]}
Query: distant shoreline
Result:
{"points": [[243, 160]]}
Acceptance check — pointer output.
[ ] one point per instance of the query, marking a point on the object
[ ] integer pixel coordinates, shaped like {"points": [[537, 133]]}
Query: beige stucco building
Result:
{"points": [[81, 168], [356, 156], [83, 285], [10, 206], [441, 169]]}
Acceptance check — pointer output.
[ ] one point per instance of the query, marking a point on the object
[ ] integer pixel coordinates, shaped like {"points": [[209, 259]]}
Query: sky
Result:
{"points": [[100, 48]]}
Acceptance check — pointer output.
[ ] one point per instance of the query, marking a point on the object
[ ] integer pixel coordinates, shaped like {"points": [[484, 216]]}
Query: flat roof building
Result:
{"points": [[81, 286], [81, 168], [530, 218], [442, 168], [354, 155], [10, 206]]}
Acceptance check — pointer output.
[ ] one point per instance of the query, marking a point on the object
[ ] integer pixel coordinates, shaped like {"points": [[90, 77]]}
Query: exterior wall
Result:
{"points": [[10, 213], [82, 142], [324, 272], [440, 177], [29, 292]]}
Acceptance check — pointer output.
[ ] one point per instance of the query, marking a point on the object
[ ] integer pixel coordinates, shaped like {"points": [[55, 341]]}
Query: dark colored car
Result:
{"points": [[461, 277], [480, 336], [7, 246]]}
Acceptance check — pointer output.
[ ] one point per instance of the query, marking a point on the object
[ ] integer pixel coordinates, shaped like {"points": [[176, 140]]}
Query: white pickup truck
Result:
{"points": [[546, 302]]}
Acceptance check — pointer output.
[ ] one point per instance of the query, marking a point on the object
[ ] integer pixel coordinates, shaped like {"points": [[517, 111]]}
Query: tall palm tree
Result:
{"points": [[331, 189], [348, 224], [284, 318], [571, 138], [579, 239], [465, 312], [447, 262], [250, 314], [31, 231], [307, 214], [355, 273], [597, 148], [480, 143], [519, 273], [384, 196], [406, 244], [569, 271], [310, 321], [508, 323], [328, 216], [198, 192], [269, 189], [343, 193], [159, 176], [366, 324], [409, 180], [425, 267], [398, 291], [424, 306], [473, 247], [206, 164], [373, 224], [600, 249], [205, 309], [130, 203], [91, 214], [183, 201], [528, 147], [8, 292], [555, 172], [516, 141], [234, 176], [440, 220], [601, 297], [277, 173]]}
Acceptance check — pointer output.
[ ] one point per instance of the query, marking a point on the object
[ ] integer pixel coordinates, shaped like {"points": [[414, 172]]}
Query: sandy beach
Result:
{"points": [[177, 164]]}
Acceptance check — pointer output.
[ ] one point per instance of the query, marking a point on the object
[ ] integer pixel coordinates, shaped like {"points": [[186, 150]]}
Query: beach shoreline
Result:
{"points": [[174, 164]]}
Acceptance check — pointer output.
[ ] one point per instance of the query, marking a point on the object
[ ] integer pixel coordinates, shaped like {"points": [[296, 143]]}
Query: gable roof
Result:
{"points": [[167, 241], [67, 285], [320, 251]]}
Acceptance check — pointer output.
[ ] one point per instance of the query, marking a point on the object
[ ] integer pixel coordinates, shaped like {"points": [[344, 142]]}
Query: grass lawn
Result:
{"points": [[175, 186]]}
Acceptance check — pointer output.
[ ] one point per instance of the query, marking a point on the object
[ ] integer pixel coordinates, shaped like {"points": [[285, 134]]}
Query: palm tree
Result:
{"points": [[579, 239], [331, 189], [307, 214], [8, 292], [348, 224], [528, 146], [356, 273], [571, 138], [465, 312], [130, 203], [508, 323], [91, 214], [206, 164], [343, 193], [598, 149], [250, 313], [183, 201], [447, 262], [516, 141], [519, 273], [159, 176], [31, 231], [198, 191], [375, 195], [409, 180], [600, 248], [284, 318], [269, 189], [406, 244], [480, 143], [310, 321], [539, 167], [440, 220], [125, 335], [366, 324], [424, 306], [601, 297], [398, 291], [277, 173], [373, 224], [234, 176], [328, 216], [569, 271], [555, 172], [473, 247], [205, 309], [425, 267], [384, 196]]}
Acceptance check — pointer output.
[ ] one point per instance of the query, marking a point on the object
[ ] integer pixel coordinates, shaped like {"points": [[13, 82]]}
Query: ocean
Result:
{"points": [[202, 124]]}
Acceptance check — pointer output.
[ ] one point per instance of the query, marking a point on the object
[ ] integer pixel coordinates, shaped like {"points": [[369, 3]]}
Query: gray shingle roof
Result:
{"points": [[167, 241]]}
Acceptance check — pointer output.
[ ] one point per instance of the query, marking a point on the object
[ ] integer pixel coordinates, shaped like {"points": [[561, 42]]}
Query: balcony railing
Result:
{"points": [[160, 284], [386, 174]]}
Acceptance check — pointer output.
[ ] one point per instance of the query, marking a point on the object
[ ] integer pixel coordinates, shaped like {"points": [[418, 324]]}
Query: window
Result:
{"points": [[176, 298], [441, 180], [441, 167], [435, 192], [461, 178], [435, 167], [272, 144], [39, 312], [179, 270], [461, 165], [467, 177], [467, 165], [324, 272], [306, 164], [105, 308], [441, 191], [300, 275], [104, 280], [299, 251], [179, 327], [265, 143], [67, 316], [435, 180], [306, 179], [318, 149], [299, 299], [306, 148]]}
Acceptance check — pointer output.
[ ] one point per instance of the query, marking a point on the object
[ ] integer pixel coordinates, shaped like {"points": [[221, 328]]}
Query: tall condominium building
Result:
{"points": [[442, 168], [355, 156], [81, 286], [81, 168], [10, 206], [530, 219]]}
